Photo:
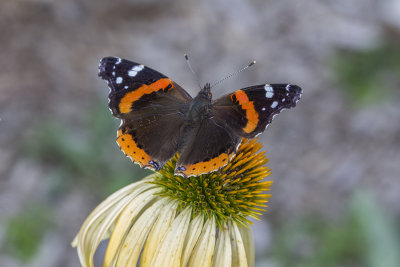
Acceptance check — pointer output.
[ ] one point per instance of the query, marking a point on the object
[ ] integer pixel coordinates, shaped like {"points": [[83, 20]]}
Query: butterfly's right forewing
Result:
{"points": [[247, 112]]}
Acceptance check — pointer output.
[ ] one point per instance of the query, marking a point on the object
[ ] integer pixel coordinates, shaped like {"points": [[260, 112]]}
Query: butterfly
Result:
{"points": [[160, 119]]}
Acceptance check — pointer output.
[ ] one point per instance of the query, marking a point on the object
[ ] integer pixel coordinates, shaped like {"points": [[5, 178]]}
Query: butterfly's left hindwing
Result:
{"points": [[247, 112]]}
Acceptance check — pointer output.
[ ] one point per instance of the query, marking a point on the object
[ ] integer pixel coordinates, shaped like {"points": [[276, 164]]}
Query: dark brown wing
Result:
{"points": [[152, 140], [206, 148], [151, 107], [132, 84], [247, 112]]}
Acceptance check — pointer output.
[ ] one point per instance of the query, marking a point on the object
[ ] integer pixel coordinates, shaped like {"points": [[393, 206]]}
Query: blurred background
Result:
{"points": [[335, 158]]}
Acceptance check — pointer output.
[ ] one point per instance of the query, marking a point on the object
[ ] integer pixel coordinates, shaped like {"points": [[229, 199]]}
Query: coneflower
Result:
{"points": [[168, 220]]}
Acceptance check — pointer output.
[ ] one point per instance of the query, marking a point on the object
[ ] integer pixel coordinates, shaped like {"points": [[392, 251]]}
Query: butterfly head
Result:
{"points": [[206, 91]]}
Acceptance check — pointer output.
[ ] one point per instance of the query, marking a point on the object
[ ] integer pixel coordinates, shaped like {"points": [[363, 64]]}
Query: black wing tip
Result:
{"points": [[295, 88], [105, 66], [295, 91], [110, 59]]}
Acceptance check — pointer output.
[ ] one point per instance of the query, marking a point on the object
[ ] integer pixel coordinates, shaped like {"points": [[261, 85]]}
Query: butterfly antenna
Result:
{"points": [[191, 69], [234, 73]]}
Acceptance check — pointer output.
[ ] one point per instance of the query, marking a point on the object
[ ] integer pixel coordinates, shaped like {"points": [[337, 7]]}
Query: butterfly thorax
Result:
{"points": [[200, 107]]}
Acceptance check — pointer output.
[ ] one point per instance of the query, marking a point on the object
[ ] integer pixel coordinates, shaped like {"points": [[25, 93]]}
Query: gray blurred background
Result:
{"points": [[334, 158]]}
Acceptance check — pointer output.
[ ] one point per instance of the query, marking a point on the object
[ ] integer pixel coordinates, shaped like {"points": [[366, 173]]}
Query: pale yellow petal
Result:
{"points": [[238, 252], [195, 227], [203, 251], [134, 241], [170, 249], [223, 251], [125, 221], [157, 233], [96, 226], [104, 206], [248, 241]]}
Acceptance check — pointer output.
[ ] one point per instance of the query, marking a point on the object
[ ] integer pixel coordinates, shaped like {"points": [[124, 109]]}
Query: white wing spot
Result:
{"points": [[135, 70], [126, 87], [283, 100], [113, 73], [287, 87], [270, 91], [118, 61], [118, 80], [263, 109], [268, 88], [132, 73], [274, 104]]}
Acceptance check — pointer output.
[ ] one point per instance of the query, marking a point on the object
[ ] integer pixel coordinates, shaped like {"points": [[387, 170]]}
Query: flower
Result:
{"points": [[168, 220]]}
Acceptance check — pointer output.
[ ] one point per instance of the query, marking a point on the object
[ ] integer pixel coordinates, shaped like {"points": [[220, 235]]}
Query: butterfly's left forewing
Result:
{"points": [[133, 85], [151, 107], [247, 112]]}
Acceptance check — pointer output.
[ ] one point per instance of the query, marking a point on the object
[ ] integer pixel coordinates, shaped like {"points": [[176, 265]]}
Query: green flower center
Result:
{"points": [[233, 192]]}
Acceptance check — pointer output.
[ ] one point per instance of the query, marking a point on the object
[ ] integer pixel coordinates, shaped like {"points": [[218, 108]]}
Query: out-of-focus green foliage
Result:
{"points": [[382, 239], [365, 237], [83, 155], [368, 76], [24, 231]]}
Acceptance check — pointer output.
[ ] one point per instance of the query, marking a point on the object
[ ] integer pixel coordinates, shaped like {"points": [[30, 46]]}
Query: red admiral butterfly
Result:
{"points": [[160, 119]]}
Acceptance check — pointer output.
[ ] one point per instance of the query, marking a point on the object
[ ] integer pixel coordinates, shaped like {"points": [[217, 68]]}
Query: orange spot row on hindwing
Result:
{"points": [[207, 166], [130, 148]]}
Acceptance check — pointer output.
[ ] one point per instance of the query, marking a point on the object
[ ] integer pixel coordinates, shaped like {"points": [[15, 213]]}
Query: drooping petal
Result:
{"points": [[125, 220], [248, 241], [96, 226], [196, 225], [169, 250], [223, 250], [134, 241], [157, 233], [204, 249], [238, 251]]}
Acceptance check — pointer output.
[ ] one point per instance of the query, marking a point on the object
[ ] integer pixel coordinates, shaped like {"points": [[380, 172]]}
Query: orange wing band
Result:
{"points": [[130, 148], [127, 101], [251, 113], [206, 166]]}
